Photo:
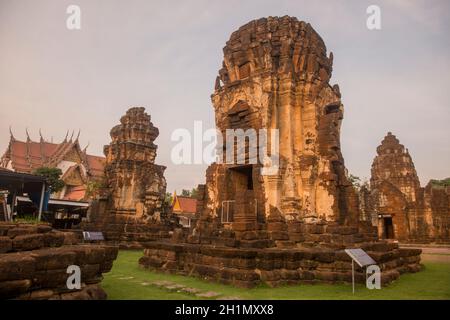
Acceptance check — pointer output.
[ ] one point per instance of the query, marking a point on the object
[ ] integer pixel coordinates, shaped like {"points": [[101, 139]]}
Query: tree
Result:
{"points": [[194, 193], [365, 184], [356, 181], [440, 183], [189, 193], [185, 193], [168, 199], [93, 188], [52, 177]]}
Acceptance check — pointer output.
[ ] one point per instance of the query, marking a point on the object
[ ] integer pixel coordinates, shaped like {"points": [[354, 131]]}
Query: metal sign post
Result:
{"points": [[361, 258], [41, 202], [353, 276]]}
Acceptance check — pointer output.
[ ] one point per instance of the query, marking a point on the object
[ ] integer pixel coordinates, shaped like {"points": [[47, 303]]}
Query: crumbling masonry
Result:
{"points": [[291, 226], [398, 205], [132, 212]]}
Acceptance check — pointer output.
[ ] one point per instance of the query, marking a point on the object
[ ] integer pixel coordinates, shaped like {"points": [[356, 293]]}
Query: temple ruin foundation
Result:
{"points": [[34, 261], [292, 225]]}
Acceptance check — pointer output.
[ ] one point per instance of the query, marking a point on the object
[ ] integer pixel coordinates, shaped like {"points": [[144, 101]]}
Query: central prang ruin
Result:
{"points": [[275, 75], [289, 227]]}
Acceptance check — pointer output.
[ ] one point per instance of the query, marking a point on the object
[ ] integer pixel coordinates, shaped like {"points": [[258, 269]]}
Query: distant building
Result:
{"points": [[184, 208], [78, 168], [398, 205]]}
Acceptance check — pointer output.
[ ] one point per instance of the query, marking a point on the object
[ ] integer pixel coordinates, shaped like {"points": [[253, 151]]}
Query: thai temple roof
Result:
{"points": [[26, 156]]}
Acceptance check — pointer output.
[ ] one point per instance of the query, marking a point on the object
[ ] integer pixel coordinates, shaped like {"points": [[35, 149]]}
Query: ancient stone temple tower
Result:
{"points": [[275, 76], [133, 211], [399, 206], [288, 225], [136, 183], [394, 164]]}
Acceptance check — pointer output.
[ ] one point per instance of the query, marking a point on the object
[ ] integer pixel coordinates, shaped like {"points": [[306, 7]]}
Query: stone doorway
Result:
{"points": [[241, 203], [242, 177], [388, 228]]}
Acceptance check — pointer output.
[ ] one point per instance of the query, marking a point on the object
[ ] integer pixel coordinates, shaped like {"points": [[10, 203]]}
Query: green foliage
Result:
{"points": [[168, 199], [194, 193], [356, 181], [185, 193], [52, 176], [189, 193], [93, 188], [28, 219], [440, 183]]}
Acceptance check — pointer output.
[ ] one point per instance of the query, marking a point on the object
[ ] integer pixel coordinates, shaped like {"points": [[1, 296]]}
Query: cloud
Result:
{"points": [[431, 15]]}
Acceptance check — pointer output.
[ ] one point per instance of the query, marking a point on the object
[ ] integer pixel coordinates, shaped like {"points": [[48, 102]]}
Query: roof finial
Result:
{"points": [[85, 148], [65, 138], [40, 135], [28, 135], [71, 136], [11, 134], [78, 135]]}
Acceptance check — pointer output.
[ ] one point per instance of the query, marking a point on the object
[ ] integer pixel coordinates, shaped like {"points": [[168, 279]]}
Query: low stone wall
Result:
{"points": [[124, 230], [282, 234], [274, 266], [34, 261], [129, 233]]}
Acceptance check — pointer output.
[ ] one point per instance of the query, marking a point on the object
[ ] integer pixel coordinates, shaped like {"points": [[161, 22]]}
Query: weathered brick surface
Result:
{"points": [[291, 226], [248, 267], [417, 214], [34, 261], [134, 213]]}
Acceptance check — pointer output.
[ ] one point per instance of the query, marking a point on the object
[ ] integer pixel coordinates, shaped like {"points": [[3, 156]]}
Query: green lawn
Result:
{"points": [[125, 281]]}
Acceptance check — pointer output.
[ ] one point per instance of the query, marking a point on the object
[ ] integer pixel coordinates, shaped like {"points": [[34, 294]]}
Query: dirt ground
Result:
{"points": [[434, 254]]}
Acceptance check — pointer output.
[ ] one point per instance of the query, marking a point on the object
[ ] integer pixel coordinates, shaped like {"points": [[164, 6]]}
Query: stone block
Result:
{"points": [[325, 276], [14, 288], [48, 259], [53, 239], [20, 231], [51, 278], [5, 244], [27, 242], [16, 266], [276, 226]]}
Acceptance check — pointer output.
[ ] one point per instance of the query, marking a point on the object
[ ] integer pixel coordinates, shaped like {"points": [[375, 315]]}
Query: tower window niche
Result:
{"points": [[244, 70], [332, 108]]}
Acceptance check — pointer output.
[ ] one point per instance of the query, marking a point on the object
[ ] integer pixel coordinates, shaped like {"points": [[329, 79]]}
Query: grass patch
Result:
{"points": [[28, 219], [126, 278]]}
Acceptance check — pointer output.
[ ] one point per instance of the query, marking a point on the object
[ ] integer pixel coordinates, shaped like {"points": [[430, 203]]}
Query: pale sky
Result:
{"points": [[165, 55]]}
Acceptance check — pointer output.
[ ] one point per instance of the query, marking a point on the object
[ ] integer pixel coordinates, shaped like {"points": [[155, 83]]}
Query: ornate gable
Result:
{"points": [[74, 176], [73, 155]]}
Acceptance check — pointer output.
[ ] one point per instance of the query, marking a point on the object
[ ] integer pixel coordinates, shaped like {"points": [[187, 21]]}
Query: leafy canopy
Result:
{"points": [[52, 176]]}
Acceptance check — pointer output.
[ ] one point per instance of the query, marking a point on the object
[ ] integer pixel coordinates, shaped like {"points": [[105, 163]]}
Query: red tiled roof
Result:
{"points": [[30, 155], [188, 205], [96, 165]]}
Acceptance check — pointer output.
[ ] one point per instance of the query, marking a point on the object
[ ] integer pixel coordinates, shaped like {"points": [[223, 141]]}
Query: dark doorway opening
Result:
{"points": [[388, 228], [246, 172]]}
